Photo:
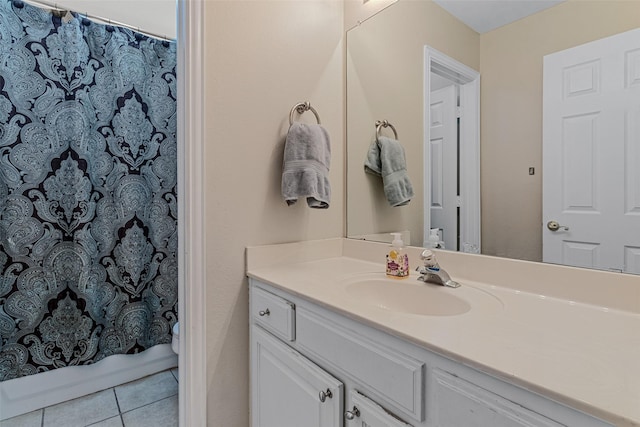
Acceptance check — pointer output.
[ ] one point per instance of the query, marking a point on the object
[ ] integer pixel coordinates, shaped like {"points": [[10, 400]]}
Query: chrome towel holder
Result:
{"points": [[302, 107], [383, 124]]}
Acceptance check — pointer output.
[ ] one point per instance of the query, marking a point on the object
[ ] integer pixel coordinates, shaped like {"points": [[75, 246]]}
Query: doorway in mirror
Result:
{"points": [[451, 152]]}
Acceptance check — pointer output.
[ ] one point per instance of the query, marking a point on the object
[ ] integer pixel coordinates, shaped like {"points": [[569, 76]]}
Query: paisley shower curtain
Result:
{"points": [[88, 212]]}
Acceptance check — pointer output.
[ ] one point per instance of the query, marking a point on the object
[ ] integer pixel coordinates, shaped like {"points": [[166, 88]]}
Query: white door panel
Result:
{"points": [[286, 387], [443, 169], [632, 259], [632, 166], [591, 154]]}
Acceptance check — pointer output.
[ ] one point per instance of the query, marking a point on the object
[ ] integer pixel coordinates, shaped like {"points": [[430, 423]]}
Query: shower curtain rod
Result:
{"points": [[55, 6]]}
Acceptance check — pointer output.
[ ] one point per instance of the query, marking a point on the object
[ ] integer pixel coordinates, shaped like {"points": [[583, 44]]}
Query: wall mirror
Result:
{"points": [[386, 80]]}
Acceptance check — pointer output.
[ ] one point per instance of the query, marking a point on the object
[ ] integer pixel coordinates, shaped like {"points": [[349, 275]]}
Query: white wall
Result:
{"points": [[358, 11], [262, 58], [156, 16]]}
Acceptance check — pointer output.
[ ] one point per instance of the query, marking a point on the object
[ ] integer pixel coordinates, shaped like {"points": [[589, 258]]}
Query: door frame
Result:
{"points": [[192, 396], [468, 80]]}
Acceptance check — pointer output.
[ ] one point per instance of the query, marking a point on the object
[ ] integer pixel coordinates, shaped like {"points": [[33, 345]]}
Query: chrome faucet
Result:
{"points": [[432, 273]]}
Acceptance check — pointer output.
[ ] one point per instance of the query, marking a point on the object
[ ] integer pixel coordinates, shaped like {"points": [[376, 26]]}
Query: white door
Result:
{"points": [[288, 390], [591, 154], [444, 165], [363, 412]]}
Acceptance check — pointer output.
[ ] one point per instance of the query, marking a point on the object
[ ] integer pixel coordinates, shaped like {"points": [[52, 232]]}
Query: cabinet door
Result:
{"points": [[462, 403], [288, 390], [363, 412]]}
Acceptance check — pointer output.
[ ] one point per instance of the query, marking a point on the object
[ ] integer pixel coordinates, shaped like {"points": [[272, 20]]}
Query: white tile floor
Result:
{"points": [[148, 402]]}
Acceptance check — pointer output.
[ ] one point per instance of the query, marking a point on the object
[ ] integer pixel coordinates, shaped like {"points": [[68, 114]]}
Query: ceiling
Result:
{"points": [[487, 15]]}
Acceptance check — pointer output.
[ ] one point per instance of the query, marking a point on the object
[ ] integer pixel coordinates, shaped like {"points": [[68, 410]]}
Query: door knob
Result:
{"points": [[355, 412], [554, 226], [324, 394]]}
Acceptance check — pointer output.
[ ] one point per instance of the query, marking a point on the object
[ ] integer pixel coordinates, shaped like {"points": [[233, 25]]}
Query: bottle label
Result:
{"points": [[397, 265]]}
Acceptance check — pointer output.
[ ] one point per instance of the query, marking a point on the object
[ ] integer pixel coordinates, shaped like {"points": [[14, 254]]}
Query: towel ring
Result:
{"points": [[383, 124], [301, 108]]}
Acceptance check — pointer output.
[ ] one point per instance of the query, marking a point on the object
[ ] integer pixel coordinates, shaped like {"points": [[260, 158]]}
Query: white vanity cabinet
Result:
{"points": [[312, 366], [290, 391]]}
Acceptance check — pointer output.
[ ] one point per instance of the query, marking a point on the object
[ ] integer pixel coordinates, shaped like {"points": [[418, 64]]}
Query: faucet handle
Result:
{"points": [[429, 259], [427, 254]]}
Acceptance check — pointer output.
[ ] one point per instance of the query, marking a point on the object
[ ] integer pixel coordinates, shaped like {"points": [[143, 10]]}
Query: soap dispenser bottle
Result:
{"points": [[397, 259], [434, 240]]}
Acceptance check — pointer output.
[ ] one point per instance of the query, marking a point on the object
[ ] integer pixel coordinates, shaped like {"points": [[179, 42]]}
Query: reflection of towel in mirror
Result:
{"points": [[386, 158], [305, 171]]}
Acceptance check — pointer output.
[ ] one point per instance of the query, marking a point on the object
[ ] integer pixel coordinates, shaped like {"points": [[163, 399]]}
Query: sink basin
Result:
{"points": [[411, 296]]}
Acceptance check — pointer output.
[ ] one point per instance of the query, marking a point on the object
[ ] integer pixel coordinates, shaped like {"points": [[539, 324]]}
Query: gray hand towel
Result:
{"points": [[305, 172], [386, 158]]}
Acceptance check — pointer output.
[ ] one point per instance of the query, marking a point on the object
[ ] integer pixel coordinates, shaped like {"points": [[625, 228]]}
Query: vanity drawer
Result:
{"points": [[275, 314], [392, 376]]}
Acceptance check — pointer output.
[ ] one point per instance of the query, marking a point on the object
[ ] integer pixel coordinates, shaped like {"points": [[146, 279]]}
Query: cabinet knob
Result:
{"points": [[264, 312], [355, 412], [324, 394]]}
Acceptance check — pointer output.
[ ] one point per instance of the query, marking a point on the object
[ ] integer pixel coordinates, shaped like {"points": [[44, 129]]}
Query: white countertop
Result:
{"points": [[584, 355]]}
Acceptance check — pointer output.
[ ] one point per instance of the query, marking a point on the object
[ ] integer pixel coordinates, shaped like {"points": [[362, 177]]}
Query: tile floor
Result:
{"points": [[148, 402]]}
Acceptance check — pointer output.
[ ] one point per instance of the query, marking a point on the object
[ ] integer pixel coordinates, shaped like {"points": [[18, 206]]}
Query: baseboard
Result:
{"points": [[22, 395]]}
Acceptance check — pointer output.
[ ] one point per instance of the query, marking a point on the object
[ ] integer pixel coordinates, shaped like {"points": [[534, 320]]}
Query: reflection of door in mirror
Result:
{"points": [[452, 157], [443, 148], [591, 155]]}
